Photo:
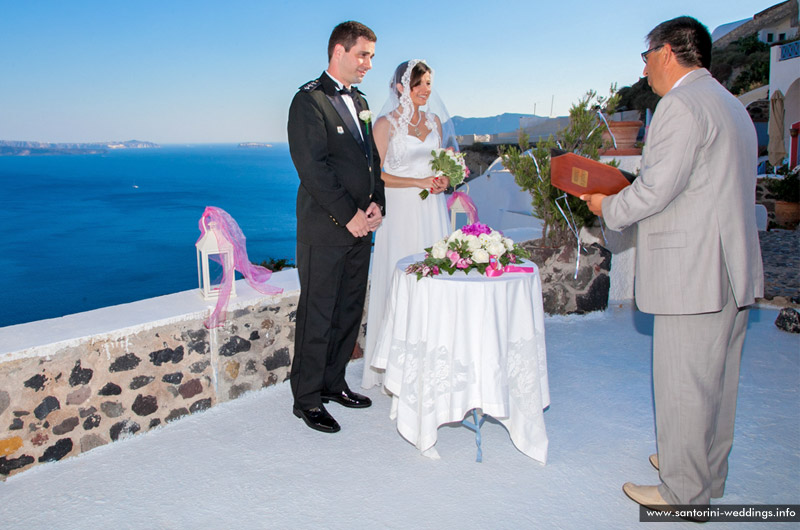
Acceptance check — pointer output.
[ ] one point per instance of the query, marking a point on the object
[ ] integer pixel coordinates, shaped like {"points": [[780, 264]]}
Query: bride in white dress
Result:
{"points": [[411, 124]]}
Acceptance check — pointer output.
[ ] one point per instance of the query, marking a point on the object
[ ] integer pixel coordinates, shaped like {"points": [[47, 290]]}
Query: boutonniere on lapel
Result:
{"points": [[366, 116]]}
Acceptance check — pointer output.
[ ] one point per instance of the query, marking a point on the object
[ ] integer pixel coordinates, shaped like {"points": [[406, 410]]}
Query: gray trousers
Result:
{"points": [[696, 362]]}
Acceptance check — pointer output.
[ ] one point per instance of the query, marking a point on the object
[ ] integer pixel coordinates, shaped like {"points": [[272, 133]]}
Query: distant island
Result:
{"points": [[254, 144], [15, 148]]}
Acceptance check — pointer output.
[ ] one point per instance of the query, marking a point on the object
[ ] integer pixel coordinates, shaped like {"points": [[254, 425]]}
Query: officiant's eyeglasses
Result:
{"points": [[648, 52]]}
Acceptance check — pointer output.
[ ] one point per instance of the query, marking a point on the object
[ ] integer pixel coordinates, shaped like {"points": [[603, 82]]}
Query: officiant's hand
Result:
{"points": [[595, 202], [359, 224], [374, 217]]}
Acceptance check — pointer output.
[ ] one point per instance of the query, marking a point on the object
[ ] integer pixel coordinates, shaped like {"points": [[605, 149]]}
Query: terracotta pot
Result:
{"points": [[625, 132], [787, 213]]}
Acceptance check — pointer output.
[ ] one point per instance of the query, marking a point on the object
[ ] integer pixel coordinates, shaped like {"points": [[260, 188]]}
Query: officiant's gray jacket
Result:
{"points": [[694, 203], [339, 172]]}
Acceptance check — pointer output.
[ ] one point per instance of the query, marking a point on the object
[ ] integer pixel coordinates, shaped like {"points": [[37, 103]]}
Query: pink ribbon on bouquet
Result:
{"points": [[466, 203], [255, 275], [495, 269]]}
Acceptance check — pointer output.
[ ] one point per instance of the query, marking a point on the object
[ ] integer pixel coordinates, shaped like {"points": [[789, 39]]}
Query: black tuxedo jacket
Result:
{"points": [[339, 173]]}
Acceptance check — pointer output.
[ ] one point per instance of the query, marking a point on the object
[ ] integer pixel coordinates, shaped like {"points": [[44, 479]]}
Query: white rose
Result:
{"points": [[439, 249], [496, 248], [480, 256], [473, 243], [508, 243], [496, 236], [455, 235]]}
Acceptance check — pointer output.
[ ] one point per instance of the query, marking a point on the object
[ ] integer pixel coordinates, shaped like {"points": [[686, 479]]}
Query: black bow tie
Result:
{"points": [[352, 91]]}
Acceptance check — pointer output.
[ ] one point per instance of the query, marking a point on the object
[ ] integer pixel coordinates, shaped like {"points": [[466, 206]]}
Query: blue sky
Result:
{"points": [[211, 71]]}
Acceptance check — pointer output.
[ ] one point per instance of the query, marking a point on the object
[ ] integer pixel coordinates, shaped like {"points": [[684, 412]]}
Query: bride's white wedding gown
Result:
{"points": [[411, 224]]}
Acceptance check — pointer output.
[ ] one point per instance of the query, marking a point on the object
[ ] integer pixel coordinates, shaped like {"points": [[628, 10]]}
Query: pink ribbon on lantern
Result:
{"points": [[466, 202], [495, 269], [255, 275]]}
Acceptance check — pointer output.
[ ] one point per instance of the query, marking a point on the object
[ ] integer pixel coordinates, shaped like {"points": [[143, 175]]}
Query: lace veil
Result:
{"points": [[399, 110]]}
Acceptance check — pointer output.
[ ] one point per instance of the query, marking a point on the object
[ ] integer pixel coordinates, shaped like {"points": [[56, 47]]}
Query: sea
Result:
{"points": [[80, 232]]}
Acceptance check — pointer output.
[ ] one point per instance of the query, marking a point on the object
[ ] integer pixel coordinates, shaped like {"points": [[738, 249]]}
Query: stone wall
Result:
{"points": [[111, 386], [562, 292]]}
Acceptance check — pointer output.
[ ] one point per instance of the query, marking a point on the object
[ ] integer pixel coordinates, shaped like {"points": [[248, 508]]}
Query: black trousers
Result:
{"points": [[333, 285]]}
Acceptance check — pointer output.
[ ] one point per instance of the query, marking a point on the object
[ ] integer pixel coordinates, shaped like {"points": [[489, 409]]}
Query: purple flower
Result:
{"points": [[476, 229]]}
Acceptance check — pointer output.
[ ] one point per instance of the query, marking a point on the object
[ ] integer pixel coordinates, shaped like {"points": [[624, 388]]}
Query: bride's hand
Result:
{"points": [[433, 184], [439, 185]]}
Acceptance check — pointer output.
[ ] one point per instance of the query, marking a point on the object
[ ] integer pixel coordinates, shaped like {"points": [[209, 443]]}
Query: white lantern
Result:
{"points": [[214, 252], [455, 209]]}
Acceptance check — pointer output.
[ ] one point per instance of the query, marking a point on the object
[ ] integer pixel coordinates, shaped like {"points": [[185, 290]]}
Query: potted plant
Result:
{"points": [[565, 290], [786, 191], [625, 132]]}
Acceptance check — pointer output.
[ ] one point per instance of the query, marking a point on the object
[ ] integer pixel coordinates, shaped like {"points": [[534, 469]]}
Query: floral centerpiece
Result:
{"points": [[473, 247], [447, 163]]}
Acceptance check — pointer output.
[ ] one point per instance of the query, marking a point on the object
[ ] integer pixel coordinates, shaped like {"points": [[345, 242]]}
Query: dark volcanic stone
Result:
{"points": [[200, 404], [196, 334], [144, 405], [238, 390], [36, 382], [127, 362], [788, 320], [177, 413], [235, 345], [250, 367], [278, 359], [596, 298], [155, 422], [80, 376], [190, 388], [66, 426], [123, 428], [110, 390], [199, 366], [5, 401], [90, 441], [7, 465], [58, 451], [91, 422], [112, 409], [173, 379], [254, 335], [196, 340], [21, 413], [78, 396], [48, 405], [167, 355], [87, 412], [16, 424], [141, 380], [292, 316]]}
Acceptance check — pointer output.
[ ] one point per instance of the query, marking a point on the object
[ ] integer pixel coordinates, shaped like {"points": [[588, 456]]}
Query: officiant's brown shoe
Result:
{"points": [[650, 497], [646, 496], [654, 460]]}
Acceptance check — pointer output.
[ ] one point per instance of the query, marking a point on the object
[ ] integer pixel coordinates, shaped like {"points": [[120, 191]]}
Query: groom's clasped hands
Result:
{"points": [[363, 222]]}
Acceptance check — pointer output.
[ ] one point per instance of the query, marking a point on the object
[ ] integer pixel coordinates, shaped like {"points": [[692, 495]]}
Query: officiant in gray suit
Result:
{"points": [[698, 260]]}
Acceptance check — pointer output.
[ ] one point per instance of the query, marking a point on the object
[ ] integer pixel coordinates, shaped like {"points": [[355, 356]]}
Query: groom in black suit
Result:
{"points": [[340, 203]]}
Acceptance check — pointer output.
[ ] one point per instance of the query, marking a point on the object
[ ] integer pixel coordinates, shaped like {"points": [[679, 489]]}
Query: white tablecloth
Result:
{"points": [[450, 344]]}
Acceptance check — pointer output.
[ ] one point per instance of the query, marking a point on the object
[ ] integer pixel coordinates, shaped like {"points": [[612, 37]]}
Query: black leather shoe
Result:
{"points": [[318, 419], [348, 398]]}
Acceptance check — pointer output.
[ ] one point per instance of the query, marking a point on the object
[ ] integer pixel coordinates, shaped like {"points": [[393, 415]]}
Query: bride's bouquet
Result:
{"points": [[447, 163], [473, 247]]}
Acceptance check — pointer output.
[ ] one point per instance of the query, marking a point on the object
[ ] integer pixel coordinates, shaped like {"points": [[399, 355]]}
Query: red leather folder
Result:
{"points": [[577, 175]]}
